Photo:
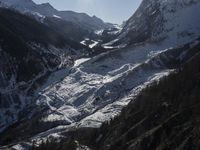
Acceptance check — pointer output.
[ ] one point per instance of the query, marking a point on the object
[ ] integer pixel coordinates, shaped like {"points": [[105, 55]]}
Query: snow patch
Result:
{"points": [[80, 61], [57, 16]]}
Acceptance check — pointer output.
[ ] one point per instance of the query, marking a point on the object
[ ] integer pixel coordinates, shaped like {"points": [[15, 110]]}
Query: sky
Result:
{"points": [[114, 11]]}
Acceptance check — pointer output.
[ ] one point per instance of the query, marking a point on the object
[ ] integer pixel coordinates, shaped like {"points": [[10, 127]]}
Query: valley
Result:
{"points": [[84, 74]]}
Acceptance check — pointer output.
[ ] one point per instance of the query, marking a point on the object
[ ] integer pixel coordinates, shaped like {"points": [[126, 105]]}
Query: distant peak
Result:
{"points": [[96, 18], [46, 5]]}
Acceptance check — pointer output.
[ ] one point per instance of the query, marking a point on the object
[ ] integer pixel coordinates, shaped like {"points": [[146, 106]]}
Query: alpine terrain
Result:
{"points": [[71, 81]]}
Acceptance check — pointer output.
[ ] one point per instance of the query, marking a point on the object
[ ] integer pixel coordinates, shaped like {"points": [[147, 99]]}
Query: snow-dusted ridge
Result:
{"points": [[96, 89], [47, 10], [12, 88], [159, 19]]}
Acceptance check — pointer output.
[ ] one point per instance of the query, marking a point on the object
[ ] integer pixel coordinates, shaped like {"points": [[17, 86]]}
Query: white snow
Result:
{"points": [[96, 89], [178, 21], [9, 115], [93, 44], [99, 32], [80, 61], [83, 42], [119, 29], [57, 16], [182, 25]]}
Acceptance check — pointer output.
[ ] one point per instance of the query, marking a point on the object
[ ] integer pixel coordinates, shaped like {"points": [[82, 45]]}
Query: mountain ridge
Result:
{"points": [[155, 20], [95, 89], [26, 58], [48, 10]]}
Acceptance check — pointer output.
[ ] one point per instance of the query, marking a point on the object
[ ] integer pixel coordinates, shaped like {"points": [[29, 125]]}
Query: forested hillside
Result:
{"points": [[164, 116]]}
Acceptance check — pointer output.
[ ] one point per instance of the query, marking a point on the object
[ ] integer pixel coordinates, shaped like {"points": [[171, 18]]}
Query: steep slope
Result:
{"points": [[29, 30], [89, 23], [162, 20], [45, 9], [76, 26], [164, 116], [161, 117], [96, 89], [27, 57], [67, 28]]}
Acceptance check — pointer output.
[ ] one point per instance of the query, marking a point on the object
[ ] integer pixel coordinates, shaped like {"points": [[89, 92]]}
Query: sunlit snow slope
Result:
{"points": [[96, 89]]}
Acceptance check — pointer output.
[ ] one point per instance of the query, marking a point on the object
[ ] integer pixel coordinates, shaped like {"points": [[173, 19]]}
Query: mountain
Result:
{"points": [[77, 26], [72, 102], [45, 9], [162, 20], [164, 116], [161, 117], [29, 51]]}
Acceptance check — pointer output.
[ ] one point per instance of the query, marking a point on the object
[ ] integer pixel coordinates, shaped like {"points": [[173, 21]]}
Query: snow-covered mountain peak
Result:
{"points": [[156, 19]]}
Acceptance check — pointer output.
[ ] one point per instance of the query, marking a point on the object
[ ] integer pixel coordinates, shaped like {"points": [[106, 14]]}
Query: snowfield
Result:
{"points": [[95, 90]]}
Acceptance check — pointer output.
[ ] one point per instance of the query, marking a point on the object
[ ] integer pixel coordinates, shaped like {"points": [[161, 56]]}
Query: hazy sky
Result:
{"points": [[114, 11]]}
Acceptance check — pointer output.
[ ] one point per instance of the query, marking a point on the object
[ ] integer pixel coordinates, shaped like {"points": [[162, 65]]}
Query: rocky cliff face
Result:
{"points": [[158, 20]]}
